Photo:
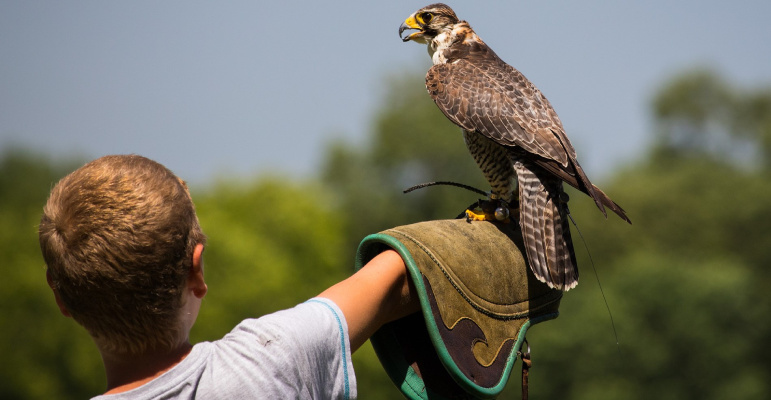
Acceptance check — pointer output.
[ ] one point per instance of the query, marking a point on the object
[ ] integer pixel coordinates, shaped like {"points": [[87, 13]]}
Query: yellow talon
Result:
{"points": [[495, 215], [472, 216]]}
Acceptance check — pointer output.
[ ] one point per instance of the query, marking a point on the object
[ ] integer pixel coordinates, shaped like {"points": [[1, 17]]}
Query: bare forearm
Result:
{"points": [[378, 293]]}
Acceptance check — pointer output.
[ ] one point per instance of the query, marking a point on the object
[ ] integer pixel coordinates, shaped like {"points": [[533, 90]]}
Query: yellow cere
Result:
{"points": [[412, 22]]}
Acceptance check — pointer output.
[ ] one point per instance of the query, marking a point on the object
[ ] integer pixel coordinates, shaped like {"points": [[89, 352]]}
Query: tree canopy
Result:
{"points": [[686, 284]]}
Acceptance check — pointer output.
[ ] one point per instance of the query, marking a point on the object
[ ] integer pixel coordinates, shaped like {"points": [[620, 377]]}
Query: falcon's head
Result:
{"points": [[430, 21]]}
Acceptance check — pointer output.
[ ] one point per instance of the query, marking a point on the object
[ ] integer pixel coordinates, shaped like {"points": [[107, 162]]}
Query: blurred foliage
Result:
{"points": [[45, 354], [269, 234], [686, 284], [702, 113], [412, 143]]}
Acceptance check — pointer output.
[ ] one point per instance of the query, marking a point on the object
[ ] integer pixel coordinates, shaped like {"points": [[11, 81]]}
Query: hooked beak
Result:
{"points": [[410, 23]]}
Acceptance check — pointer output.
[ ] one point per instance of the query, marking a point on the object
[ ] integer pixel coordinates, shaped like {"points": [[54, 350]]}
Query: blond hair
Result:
{"points": [[117, 236]]}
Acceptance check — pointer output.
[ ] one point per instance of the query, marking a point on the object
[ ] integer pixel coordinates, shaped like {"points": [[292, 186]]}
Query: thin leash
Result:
{"points": [[527, 363], [599, 284], [446, 183]]}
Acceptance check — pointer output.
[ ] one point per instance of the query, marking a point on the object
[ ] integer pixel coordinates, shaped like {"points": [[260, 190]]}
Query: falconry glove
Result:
{"points": [[478, 298]]}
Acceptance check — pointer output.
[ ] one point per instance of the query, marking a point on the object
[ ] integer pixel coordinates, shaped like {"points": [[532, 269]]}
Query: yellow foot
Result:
{"points": [[499, 215], [491, 210], [472, 216]]}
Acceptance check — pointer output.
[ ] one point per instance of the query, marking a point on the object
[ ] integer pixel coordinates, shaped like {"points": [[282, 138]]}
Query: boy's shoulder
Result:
{"points": [[255, 358]]}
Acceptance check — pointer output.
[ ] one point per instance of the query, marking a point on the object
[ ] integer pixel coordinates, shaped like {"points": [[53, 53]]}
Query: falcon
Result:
{"points": [[513, 134]]}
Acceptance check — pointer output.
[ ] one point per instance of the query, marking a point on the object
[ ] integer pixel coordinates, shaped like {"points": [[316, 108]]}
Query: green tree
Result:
{"points": [[411, 143], [686, 286], [45, 355], [270, 246], [685, 283], [700, 112]]}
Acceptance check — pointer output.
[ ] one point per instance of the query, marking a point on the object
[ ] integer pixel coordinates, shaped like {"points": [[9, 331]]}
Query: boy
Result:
{"points": [[123, 249]]}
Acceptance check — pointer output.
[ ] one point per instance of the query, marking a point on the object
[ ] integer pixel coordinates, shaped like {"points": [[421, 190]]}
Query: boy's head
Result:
{"points": [[118, 237]]}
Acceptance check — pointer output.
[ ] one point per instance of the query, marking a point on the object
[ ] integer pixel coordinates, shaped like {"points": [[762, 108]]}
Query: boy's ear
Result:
{"points": [[195, 279], [59, 301]]}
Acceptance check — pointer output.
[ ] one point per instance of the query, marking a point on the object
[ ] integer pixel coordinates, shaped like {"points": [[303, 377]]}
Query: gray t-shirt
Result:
{"points": [[299, 353]]}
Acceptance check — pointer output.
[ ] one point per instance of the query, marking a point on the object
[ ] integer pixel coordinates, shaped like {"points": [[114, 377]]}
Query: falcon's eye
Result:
{"points": [[426, 17]]}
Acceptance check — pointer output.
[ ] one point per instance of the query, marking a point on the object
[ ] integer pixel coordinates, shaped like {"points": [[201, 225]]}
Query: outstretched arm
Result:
{"points": [[378, 293]]}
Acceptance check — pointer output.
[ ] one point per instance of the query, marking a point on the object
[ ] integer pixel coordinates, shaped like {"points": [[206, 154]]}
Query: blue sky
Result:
{"points": [[230, 87]]}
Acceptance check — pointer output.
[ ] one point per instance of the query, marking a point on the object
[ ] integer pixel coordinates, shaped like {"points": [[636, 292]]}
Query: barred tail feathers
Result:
{"points": [[545, 228]]}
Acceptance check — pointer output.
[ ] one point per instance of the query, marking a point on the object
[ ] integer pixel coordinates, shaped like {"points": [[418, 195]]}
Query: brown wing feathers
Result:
{"points": [[497, 101]]}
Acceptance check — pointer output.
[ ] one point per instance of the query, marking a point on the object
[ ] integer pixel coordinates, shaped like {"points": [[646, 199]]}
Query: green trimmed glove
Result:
{"points": [[478, 298]]}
